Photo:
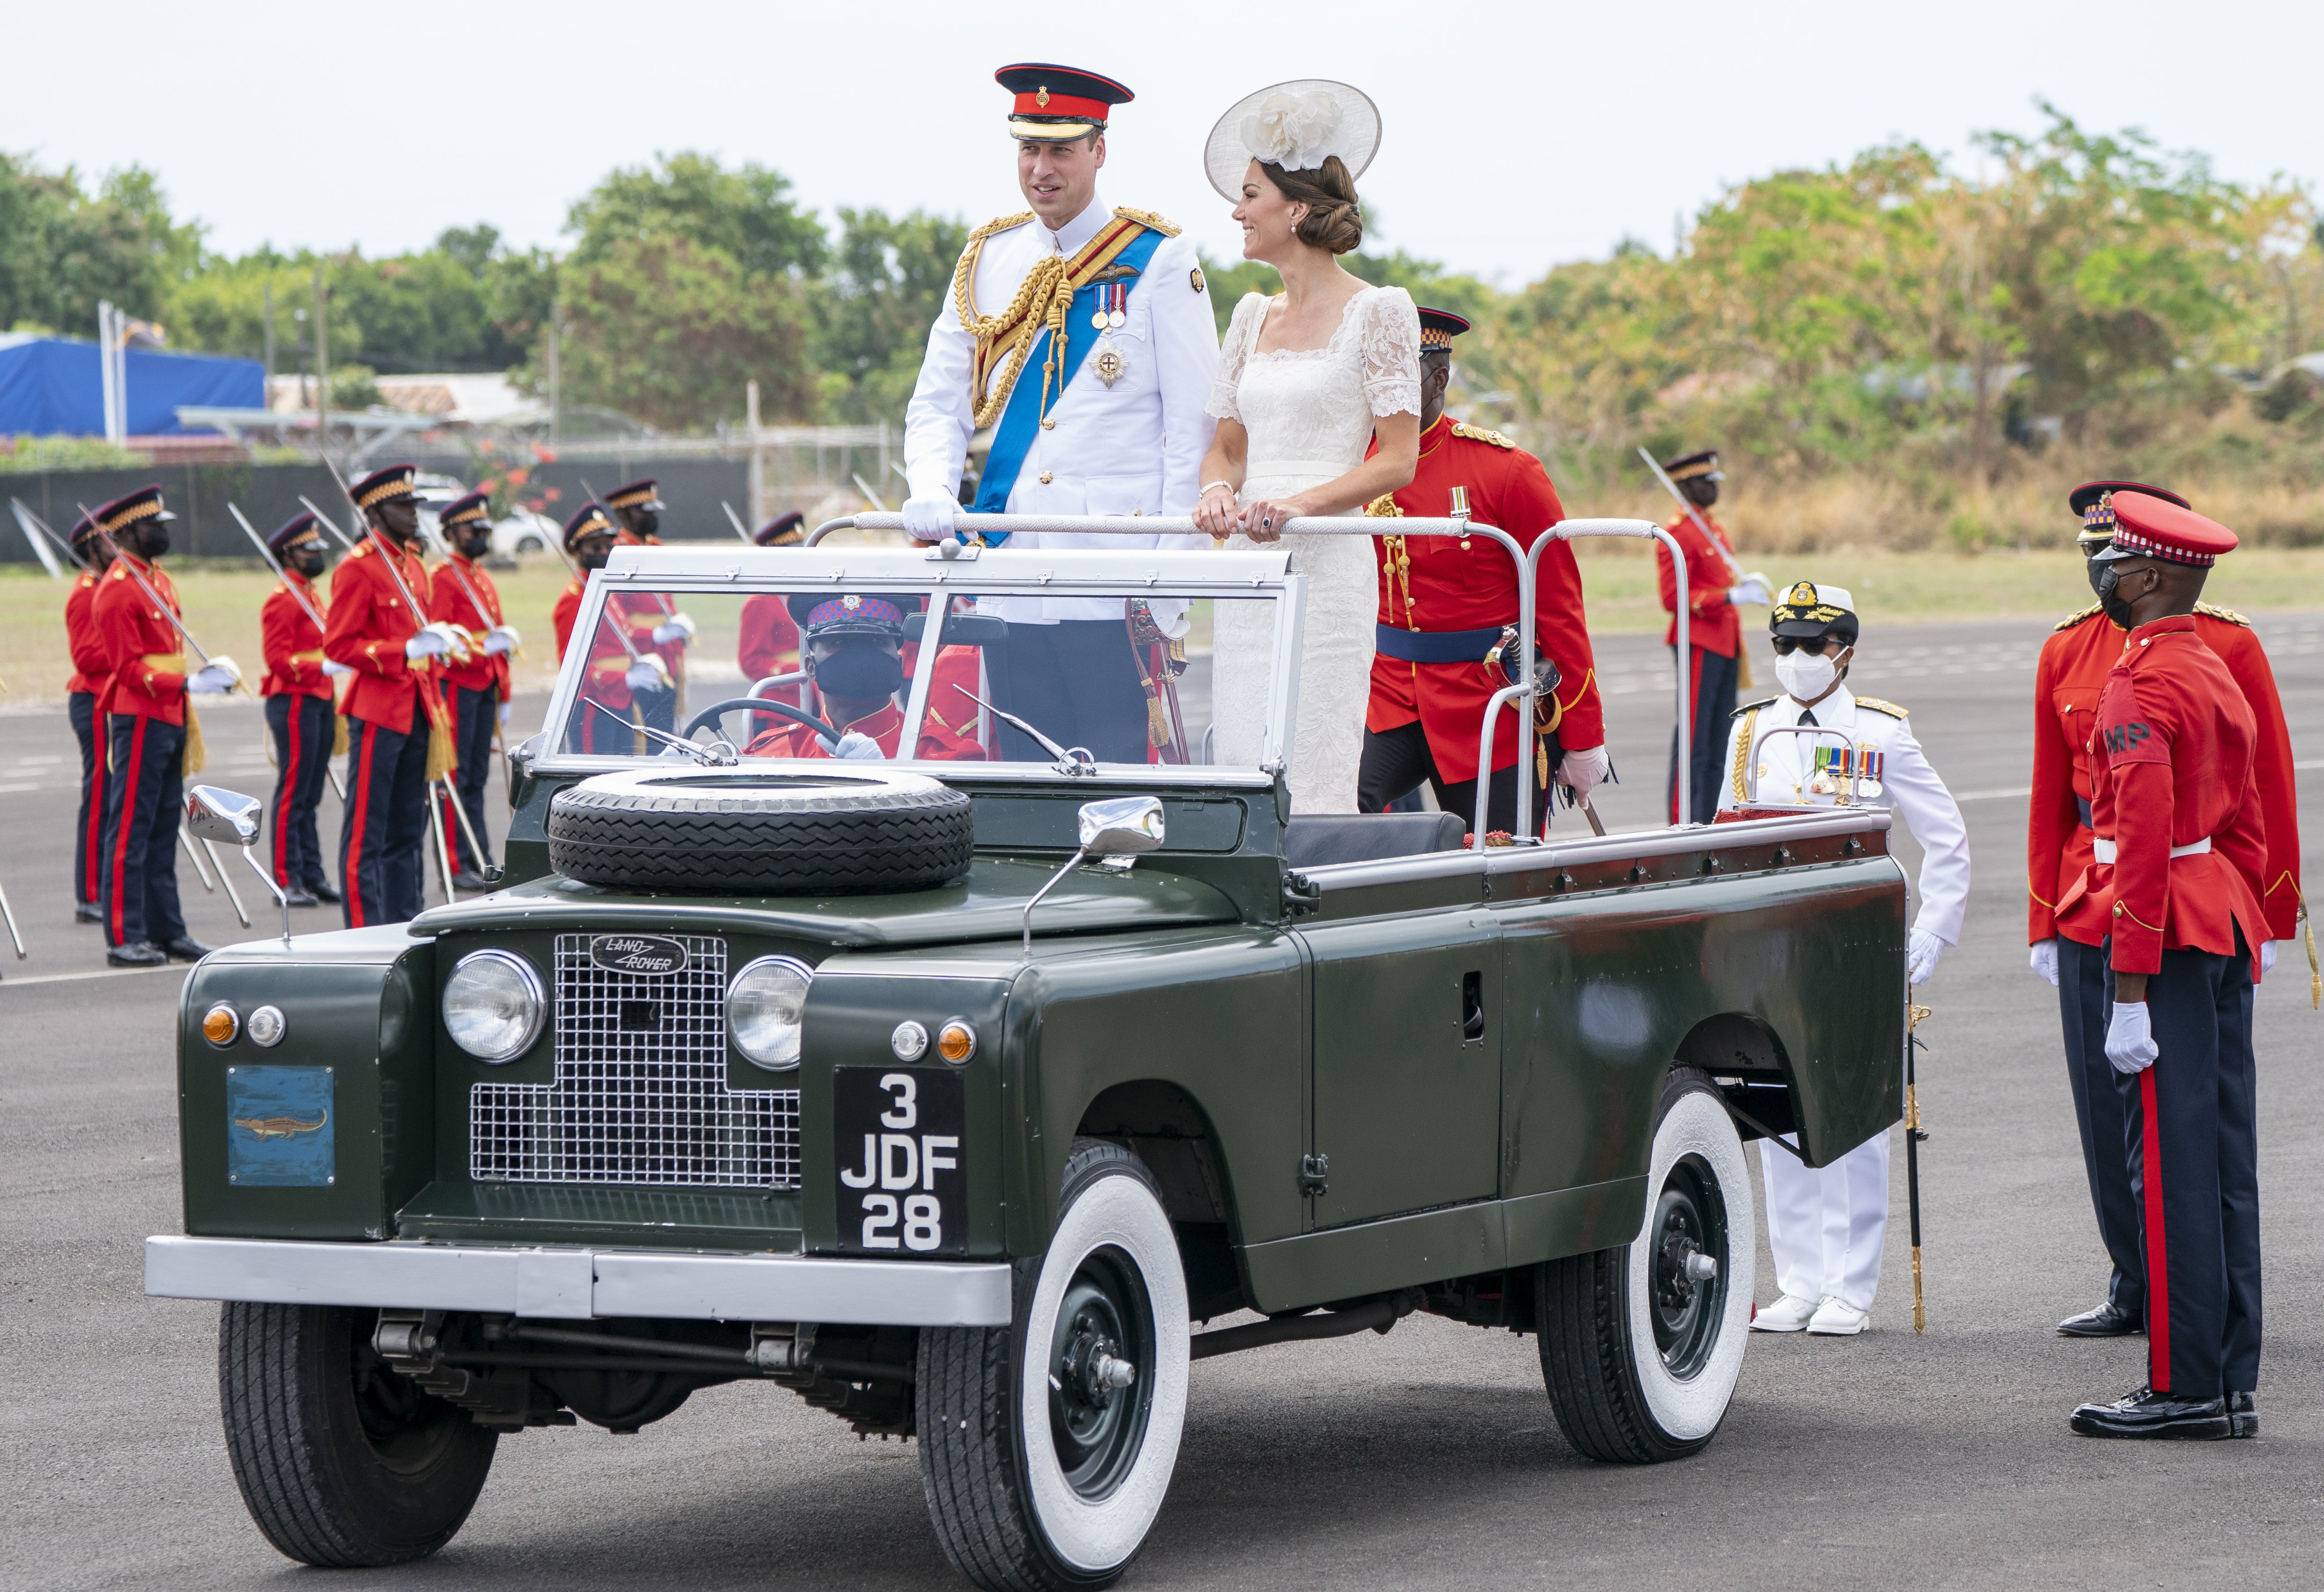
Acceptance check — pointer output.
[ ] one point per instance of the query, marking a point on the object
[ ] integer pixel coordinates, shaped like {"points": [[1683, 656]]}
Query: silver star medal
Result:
{"points": [[1107, 360]]}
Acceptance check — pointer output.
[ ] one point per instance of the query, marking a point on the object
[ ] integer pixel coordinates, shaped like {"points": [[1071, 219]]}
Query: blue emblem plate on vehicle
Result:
{"points": [[278, 1127], [649, 955]]}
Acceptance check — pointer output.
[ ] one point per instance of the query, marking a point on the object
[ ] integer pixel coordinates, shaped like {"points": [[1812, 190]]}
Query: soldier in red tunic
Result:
{"points": [[768, 639], [155, 739], [656, 624], [84, 705], [1448, 608], [2068, 681], [476, 692], [617, 667], [301, 712], [2178, 834], [856, 655], [1714, 632], [401, 740]]}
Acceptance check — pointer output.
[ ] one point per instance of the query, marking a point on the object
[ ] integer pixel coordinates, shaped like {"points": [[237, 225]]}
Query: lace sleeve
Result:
{"points": [[1234, 352], [1391, 352]]}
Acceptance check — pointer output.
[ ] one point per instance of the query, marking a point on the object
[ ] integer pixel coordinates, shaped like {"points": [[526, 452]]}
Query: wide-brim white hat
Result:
{"points": [[1296, 125]]}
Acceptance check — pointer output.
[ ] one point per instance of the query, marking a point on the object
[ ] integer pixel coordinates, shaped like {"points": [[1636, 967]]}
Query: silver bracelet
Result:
{"points": [[1207, 485]]}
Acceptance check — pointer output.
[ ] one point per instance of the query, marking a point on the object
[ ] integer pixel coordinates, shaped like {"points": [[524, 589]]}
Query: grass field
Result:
{"points": [[222, 601]]}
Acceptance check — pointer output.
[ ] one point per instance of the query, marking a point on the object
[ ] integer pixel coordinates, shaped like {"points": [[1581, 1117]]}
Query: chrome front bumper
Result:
{"points": [[581, 1284]]}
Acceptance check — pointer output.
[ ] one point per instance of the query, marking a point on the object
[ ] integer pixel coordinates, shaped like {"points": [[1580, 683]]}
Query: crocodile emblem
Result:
{"points": [[279, 1126]]}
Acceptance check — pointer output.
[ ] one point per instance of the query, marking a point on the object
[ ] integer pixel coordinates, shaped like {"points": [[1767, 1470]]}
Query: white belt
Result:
{"points": [[2102, 848]]}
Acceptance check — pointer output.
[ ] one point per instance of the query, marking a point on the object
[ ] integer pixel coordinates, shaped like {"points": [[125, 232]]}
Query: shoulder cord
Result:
{"points": [[2307, 927], [1743, 751]]}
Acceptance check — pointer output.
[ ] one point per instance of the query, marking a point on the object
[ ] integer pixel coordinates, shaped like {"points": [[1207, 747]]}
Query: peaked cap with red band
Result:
{"points": [[2094, 501], [1438, 328], [1056, 104], [2148, 527]]}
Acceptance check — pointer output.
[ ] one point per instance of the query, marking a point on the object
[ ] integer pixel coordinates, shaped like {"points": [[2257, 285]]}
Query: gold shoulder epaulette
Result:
{"points": [[363, 549], [1879, 706], [2071, 619], [1001, 224], [1753, 707], [2229, 615], [1479, 434], [1168, 229], [1383, 507]]}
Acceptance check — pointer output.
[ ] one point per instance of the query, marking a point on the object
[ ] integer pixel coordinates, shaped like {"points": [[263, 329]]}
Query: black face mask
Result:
{"points": [[645, 523], [308, 561], [2106, 582], [593, 558], [859, 671], [153, 538], [474, 546]]}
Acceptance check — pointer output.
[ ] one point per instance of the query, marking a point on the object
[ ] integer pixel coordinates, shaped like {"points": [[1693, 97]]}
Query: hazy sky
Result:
{"points": [[1516, 136]]}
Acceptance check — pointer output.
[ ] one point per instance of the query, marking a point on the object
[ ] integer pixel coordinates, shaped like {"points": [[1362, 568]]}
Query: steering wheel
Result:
{"points": [[757, 705]]}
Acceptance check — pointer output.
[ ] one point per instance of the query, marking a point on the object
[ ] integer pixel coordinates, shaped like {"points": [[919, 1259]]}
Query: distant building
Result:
{"points": [[55, 386]]}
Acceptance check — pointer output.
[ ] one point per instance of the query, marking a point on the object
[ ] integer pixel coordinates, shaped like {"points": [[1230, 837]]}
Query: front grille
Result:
{"points": [[641, 1095]]}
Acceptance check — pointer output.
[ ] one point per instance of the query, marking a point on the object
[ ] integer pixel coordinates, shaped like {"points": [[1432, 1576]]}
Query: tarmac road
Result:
{"points": [[1427, 1458]]}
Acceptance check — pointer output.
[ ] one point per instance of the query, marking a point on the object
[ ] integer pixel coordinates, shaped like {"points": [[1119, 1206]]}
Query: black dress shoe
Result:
{"points": [[476, 884], [88, 912], [323, 892], [2149, 1413], [2242, 1415], [136, 954], [2108, 1321], [186, 948], [298, 897]]}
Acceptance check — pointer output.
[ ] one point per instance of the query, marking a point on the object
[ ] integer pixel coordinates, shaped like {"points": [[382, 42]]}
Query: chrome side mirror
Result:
{"points": [[214, 815], [1115, 830]]}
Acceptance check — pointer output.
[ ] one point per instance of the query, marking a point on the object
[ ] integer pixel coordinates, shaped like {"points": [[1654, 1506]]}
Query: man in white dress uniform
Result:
{"points": [[1826, 1225], [1084, 336]]}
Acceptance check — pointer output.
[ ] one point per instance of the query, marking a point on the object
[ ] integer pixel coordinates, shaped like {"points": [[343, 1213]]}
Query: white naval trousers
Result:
{"points": [[1827, 1224]]}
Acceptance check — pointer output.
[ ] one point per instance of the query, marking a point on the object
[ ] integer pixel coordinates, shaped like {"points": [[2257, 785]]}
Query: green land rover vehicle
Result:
{"points": [[960, 1092]]}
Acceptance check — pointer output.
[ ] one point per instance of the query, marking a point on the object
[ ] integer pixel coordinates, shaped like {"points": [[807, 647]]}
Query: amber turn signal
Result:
{"points": [[220, 1024], [956, 1042]]}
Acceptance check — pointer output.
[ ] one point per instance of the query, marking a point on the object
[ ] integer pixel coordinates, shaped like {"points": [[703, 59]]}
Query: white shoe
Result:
{"points": [[1787, 1314], [1833, 1318]]}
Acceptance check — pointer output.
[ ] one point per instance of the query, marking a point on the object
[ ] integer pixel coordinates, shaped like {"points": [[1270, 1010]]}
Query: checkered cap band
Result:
{"points": [[858, 609]]}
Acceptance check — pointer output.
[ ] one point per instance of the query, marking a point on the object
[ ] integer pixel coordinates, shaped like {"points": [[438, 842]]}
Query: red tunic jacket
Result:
{"points": [[1438, 583], [768, 640], [292, 644], [2170, 767], [366, 627], [2067, 683], [132, 631], [605, 676], [448, 598], [92, 669], [1714, 625]]}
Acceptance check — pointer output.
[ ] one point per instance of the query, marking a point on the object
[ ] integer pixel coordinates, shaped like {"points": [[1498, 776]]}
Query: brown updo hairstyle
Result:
{"points": [[1334, 221]]}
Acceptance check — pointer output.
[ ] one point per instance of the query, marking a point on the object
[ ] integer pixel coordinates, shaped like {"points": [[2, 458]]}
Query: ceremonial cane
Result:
{"points": [[1912, 1138]]}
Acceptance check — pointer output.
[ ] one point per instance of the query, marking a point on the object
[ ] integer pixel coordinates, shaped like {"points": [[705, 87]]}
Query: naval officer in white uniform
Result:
{"points": [[1826, 1225], [1083, 337]]}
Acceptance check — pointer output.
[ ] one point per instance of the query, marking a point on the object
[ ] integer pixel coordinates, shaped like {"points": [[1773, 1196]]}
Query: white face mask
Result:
{"points": [[1806, 675]]}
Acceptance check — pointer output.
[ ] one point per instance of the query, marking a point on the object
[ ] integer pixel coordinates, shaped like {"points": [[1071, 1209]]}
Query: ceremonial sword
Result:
{"points": [[272, 563], [736, 521], [1912, 1138], [1734, 566]]}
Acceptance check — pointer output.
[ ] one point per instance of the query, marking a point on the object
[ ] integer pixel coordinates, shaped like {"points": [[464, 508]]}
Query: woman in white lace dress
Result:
{"points": [[1306, 380]]}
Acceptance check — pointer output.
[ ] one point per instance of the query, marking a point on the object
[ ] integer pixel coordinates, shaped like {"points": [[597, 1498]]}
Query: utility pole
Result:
{"points": [[322, 371], [758, 460], [270, 344], [104, 362], [556, 412]]}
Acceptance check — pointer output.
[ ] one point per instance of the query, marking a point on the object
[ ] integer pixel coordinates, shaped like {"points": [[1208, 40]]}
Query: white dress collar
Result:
{"points": [[1070, 238]]}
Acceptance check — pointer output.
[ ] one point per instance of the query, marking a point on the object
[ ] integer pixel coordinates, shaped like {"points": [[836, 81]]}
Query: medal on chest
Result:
{"points": [[1110, 315]]}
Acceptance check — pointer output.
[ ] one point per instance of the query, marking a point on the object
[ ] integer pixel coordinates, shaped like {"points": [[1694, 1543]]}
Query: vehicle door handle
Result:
{"points": [[1472, 1008]]}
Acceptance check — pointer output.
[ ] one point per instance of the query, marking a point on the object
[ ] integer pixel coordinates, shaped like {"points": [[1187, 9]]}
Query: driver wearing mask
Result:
{"points": [[852, 647], [1826, 1225]]}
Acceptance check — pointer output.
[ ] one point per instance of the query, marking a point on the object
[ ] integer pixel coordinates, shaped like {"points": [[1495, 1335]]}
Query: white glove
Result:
{"points": [[501, 639], [1922, 950], [1584, 770], [930, 517], [2130, 1039], [427, 643], [504, 713], [648, 674], [855, 744], [332, 671], [455, 637], [1751, 588], [2266, 957], [675, 628], [211, 681], [2044, 959]]}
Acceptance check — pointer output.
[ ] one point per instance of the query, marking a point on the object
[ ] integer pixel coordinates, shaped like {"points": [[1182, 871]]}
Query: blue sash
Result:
{"points": [[1021, 422]]}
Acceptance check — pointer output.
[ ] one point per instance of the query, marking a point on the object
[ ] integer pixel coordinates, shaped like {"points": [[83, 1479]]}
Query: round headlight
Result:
{"points": [[493, 1005], [266, 1026], [763, 1008]]}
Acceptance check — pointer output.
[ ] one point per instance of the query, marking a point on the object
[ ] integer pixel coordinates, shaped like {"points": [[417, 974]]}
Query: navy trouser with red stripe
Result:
{"points": [[2106, 1112], [89, 828], [302, 728], [387, 815], [143, 796], [474, 713], [2195, 1165], [1712, 694]]}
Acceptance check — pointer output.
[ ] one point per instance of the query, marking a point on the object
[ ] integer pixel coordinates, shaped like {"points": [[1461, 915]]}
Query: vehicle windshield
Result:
{"points": [[1105, 662]]}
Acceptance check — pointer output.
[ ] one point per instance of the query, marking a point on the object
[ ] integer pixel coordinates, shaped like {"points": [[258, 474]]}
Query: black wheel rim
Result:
{"points": [[1103, 1323], [406, 1428], [1690, 1222]]}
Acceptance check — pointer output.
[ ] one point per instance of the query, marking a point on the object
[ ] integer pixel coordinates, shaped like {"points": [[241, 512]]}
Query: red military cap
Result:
{"points": [[1056, 105], [2093, 501], [2149, 527]]}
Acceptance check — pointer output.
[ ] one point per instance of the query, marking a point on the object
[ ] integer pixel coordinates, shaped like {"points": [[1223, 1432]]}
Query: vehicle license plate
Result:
{"points": [[896, 1154]]}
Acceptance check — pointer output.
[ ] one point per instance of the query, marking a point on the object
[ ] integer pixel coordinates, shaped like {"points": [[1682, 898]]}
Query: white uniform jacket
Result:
{"points": [[1135, 447], [1909, 786]]}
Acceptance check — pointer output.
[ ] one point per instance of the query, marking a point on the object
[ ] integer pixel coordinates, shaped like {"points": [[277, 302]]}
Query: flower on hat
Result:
{"points": [[1292, 130]]}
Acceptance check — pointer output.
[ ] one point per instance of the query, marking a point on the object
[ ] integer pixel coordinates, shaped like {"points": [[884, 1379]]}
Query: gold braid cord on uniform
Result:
{"points": [[197, 755], [1743, 752], [2307, 924], [1395, 553], [1044, 298]]}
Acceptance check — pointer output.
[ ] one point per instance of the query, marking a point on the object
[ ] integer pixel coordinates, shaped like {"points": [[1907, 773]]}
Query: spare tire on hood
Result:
{"points": [[853, 831]]}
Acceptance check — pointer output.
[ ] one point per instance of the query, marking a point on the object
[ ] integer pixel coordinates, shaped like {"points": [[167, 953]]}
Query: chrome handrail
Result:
{"points": [[1751, 758]]}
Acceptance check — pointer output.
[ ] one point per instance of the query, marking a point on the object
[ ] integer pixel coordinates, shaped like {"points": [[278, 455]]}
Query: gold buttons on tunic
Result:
{"points": [[1045, 478]]}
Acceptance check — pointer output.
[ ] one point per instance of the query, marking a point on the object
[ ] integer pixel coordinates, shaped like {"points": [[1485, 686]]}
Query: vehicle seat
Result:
{"points": [[1314, 840]]}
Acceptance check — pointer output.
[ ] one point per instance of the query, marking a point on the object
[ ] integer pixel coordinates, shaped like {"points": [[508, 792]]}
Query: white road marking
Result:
{"points": [[110, 973]]}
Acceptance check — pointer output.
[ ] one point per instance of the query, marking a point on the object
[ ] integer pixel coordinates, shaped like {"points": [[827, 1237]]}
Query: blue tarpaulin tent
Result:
{"points": [[53, 386]]}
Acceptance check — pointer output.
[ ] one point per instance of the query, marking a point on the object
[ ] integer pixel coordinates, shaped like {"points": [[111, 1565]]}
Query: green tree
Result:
{"points": [[63, 248], [887, 282], [667, 330], [744, 214]]}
